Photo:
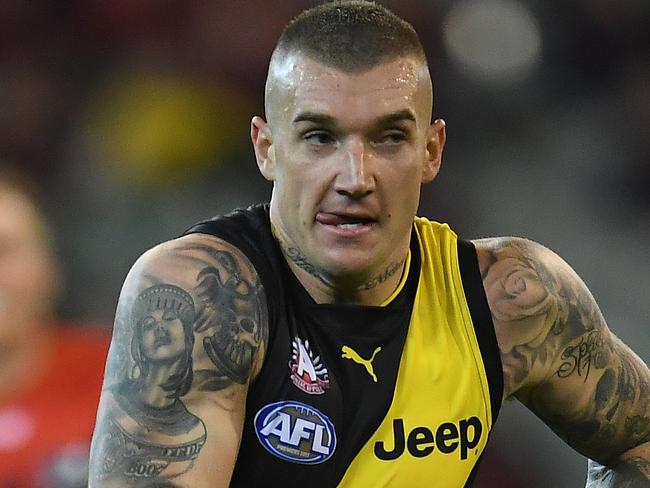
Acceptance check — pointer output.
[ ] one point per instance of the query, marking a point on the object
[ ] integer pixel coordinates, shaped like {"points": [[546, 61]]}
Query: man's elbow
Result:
{"points": [[631, 470]]}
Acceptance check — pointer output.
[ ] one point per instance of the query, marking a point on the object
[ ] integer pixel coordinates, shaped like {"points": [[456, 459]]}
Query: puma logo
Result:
{"points": [[349, 353]]}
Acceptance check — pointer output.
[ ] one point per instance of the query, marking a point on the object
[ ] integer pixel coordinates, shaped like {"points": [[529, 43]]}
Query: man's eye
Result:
{"points": [[392, 138], [318, 138]]}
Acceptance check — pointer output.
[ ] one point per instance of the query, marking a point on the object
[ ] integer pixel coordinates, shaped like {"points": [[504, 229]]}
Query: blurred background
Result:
{"points": [[133, 115]]}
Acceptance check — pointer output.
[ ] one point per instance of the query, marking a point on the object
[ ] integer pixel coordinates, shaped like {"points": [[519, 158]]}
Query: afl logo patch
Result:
{"points": [[295, 432]]}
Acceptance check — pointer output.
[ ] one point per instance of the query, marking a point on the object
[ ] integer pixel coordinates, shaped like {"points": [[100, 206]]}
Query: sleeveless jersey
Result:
{"points": [[398, 395]]}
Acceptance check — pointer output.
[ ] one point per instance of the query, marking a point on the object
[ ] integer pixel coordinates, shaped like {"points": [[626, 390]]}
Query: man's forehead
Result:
{"points": [[297, 70], [300, 83]]}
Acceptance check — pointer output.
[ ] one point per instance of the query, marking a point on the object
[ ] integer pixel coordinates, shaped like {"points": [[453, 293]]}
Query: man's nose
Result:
{"points": [[355, 178]]}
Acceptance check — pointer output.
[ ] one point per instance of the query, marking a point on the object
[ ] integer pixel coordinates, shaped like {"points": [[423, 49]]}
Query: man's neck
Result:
{"points": [[373, 290]]}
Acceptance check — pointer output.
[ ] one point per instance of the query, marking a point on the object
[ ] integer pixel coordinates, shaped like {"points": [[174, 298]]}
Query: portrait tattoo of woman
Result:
{"points": [[148, 413]]}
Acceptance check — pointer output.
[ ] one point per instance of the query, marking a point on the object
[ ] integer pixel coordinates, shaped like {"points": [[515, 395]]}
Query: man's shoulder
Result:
{"points": [[252, 218], [532, 294], [244, 231], [239, 244], [512, 251], [520, 268], [504, 242]]}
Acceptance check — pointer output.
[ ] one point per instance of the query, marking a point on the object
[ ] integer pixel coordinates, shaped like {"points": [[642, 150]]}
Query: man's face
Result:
{"points": [[28, 280], [347, 154], [163, 337]]}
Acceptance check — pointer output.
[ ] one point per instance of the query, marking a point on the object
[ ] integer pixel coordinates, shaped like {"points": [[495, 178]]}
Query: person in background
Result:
{"points": [[50, 371]]}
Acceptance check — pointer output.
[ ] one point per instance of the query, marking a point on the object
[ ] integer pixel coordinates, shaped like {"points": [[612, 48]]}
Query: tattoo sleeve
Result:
{"points": [[561, 360], [190, 332]]}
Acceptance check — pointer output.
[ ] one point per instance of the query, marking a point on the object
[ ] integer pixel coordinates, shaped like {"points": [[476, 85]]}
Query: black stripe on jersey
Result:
{"points": [[482, 320], [472, 476]]}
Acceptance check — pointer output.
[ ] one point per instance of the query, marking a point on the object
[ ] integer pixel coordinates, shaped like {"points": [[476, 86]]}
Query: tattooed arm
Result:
{"points": [[560, 359], [189, 336]]}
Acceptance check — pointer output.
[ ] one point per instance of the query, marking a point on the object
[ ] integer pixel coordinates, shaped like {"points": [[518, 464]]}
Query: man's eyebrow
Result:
{"points": [[324, 119], [396, 117], [315, 117]]}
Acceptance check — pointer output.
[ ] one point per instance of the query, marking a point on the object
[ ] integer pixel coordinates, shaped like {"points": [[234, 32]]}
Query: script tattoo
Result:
{"points": [[383, 276], [301, 261], [166, 337], [297, 257], [579, 358], [559, 357]]}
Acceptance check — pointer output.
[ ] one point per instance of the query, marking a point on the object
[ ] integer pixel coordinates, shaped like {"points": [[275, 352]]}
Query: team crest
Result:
{"points": [[307, 371]]}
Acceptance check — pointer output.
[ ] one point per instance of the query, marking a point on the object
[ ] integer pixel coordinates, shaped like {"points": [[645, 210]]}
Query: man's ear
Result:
{"points": [[263, 147], [436, 136]]}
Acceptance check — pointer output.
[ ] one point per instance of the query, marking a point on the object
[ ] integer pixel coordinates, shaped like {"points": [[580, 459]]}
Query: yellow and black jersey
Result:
{"points": [[398, 395]]}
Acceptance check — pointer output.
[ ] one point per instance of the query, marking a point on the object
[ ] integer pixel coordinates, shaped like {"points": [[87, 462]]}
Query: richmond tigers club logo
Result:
{"points": [[307, 371]]}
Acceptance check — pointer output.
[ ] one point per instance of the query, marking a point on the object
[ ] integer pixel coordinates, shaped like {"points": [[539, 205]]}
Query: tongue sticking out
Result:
{"points": [[330, 219], [333, 219]]}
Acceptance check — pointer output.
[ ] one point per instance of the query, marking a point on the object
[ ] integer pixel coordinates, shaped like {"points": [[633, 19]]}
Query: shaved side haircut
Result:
{"points": [[350, 35]]}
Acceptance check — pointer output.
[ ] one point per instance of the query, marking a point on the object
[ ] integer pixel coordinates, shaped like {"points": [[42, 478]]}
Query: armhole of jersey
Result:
{"points": [[482, 320]]}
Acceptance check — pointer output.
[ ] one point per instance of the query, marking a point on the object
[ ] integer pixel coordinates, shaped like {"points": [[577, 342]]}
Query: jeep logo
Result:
{"points": [[421, 441]]}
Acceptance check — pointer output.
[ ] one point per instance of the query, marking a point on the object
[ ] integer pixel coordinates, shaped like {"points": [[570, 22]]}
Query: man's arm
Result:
{"points": [[190, 334], [561, 360]]}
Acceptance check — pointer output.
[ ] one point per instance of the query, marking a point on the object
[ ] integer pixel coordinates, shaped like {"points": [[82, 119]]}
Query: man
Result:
{"points": [[342, 341], [50, 372]]}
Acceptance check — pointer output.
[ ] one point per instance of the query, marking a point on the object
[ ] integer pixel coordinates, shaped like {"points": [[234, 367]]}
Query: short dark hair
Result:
{"points": [[350, 35]]}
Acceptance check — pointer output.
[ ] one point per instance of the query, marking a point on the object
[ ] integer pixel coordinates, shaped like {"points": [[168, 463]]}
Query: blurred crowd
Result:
{"points": [[133, 117], [50, 370]]}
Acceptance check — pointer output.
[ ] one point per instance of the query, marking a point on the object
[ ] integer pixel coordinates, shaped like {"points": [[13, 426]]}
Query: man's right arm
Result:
{"points": [[190, 334]]}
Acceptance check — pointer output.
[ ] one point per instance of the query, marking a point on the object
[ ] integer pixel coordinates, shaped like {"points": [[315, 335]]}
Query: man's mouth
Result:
{"points": [[351, 225], [343, 221]]}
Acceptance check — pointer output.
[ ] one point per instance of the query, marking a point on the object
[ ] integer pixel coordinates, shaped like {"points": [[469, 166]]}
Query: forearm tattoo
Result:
{"points": [[559, 357], [169, 339]]}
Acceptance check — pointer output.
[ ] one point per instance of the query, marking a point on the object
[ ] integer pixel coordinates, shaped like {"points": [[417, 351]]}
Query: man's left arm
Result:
{"points": [[561, 360]]}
